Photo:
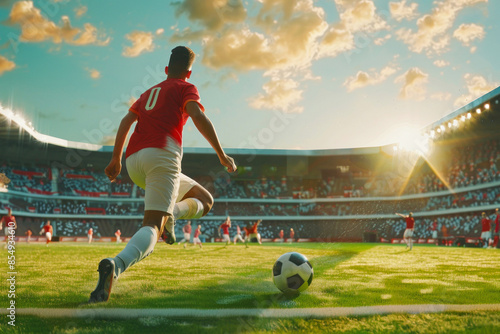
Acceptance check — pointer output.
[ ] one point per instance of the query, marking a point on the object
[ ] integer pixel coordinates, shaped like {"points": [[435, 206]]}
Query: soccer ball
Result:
{"points": [[292, 273]]}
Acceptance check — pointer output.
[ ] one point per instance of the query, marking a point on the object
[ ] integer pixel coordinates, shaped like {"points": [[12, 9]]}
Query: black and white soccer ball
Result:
{"points": [[292, 273]]}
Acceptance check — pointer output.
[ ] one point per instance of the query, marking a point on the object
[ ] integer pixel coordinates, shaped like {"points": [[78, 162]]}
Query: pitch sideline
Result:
{"points": [[328, 312]]}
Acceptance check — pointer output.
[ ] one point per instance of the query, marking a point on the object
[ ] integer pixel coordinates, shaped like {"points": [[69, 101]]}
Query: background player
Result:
{"points": [[292, 235], [225, 230], [90, 233], [410, 225], [238, 235], [29, 233], [196, 237], [118, 235], [486, 230], [282, 235], [154, 156], [47, 229], [497, 230], [252, 232], [8, 221], [187, 233]]}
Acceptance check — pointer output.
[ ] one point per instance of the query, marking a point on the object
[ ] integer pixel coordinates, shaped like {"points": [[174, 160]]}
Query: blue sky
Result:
{"points": [[271, 73]]}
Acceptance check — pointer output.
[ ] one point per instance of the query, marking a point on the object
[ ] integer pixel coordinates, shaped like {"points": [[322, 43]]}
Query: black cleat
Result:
{"points": [[106, 277]]}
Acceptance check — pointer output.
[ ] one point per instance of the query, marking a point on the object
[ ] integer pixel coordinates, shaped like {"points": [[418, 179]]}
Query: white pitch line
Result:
{"points": [[327, 312]]}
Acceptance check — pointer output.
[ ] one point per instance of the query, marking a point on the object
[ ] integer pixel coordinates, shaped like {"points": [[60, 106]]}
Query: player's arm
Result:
{"points": [[206, 128], [115, 165], [401, 215]]}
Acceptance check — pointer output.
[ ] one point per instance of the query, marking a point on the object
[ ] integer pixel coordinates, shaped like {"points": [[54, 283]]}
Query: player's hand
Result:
{"points": [[113, 170], [228, 162]]}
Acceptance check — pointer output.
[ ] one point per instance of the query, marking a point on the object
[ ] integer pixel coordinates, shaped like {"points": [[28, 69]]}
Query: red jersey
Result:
{"points": [[410, 223], [161, 114], [197, 233], [29, 233], [118, 233], [90, 232], [47, 229], [292, 234], [253, 229], [238, 229], [434, 226], [486, 224], [282, 234], [225, 228], [187, 229], [8, 219]]}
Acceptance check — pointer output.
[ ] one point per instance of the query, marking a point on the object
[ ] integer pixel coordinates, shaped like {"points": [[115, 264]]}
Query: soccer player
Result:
{"points": [[47, 229], [282, 235], [153, 161], [90, 233], [497, 230], [410, 224], [196, 238], [251, 232], [118, 235], [29, 233], [238, 235], [292, 235], [434, 230], [486, 230], [225, 230], [187, 233], [8, 221]]}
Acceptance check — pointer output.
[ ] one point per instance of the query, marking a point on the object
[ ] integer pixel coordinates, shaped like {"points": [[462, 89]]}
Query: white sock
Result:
{"points": [[141, 245], [188, 209]]}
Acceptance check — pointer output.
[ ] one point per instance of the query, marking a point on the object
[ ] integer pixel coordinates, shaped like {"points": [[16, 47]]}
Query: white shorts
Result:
{"points": [[187, 236], [486, 235], [225, 237], [196, 240], [434, 234], [48, 235], [408, 233], [158, 171]]}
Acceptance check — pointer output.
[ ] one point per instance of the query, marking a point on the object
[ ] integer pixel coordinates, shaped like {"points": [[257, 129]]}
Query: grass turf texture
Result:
{"points": [[63, 275]]}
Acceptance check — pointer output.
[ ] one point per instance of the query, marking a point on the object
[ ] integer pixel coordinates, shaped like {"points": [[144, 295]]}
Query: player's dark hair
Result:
{"points": [[181, 60]]}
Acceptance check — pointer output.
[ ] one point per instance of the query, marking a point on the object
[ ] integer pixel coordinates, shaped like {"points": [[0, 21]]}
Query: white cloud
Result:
{"points": [[466, 33], [441, 63], [360, 15], [413, 81], [280, 94], [80, 11], [36, 28], [477, 86], [6, 65], [142, 41], [382, 40], [160, 31], [94, 74], [441, 96], [432, 35], [363, 79], [401, 11]]}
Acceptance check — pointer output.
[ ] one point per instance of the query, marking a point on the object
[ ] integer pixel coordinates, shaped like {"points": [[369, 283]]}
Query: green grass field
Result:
{"points": [[346, 275]]}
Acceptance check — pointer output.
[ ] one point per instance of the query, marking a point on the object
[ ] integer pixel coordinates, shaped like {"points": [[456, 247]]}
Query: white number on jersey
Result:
{"points": [[153, 97]]}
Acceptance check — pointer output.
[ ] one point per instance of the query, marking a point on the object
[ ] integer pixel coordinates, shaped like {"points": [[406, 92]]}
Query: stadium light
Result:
{"points": [[478, 110], [469, 115], [395, 147], [455, 123], [449, 125], [462, 118], [433, 134], [487, 106], [439, 130], [442, 127]]}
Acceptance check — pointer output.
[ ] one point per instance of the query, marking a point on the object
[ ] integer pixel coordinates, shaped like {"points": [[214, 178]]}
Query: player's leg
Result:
{"points": [[194, 201], [159, 171], [405, 238], [411, 239], [259, 239]]}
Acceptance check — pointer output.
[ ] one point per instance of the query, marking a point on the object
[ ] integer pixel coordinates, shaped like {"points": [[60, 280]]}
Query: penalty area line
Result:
{"points": [[327, 312]]}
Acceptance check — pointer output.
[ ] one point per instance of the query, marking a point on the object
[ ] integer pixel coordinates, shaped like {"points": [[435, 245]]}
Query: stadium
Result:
{"points": [[230, 166], [329, 197]]}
